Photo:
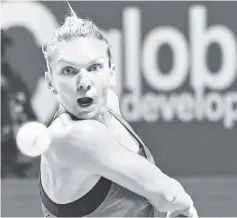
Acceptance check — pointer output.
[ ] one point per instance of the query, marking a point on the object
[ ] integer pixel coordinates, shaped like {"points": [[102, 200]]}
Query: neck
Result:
{"points": [[104, 116]]}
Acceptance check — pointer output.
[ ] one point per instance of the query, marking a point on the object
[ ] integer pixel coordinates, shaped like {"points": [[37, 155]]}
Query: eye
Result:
{"points": [[95, 67], [69, 70]]}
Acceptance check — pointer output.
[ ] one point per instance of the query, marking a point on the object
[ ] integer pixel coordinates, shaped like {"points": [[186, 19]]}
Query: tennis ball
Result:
{"points": [[33, 139]]}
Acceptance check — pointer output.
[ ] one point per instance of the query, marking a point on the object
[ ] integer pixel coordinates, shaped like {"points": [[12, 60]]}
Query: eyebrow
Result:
{"points": [[63, 59]]}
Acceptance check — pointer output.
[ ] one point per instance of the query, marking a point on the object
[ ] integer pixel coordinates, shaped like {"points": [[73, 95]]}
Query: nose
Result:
{"points": [[83, 82]]}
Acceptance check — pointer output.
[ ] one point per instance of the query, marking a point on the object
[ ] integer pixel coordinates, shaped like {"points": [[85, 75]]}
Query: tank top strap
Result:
{"points": [[129, 128]]}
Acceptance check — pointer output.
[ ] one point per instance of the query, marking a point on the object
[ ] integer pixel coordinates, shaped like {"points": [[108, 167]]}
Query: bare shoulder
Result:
{"points": [[56, 184], [76, 142]]}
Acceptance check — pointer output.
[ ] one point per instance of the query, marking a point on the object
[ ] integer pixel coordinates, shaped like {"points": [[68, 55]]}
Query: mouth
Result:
{"points": [[84, 102]]}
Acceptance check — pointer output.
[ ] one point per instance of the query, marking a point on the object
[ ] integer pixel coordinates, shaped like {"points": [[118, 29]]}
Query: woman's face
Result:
{"points": [[81, 76]]}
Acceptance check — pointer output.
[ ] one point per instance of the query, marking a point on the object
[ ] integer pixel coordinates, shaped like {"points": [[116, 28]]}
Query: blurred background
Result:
{"points": [[176, 80]]}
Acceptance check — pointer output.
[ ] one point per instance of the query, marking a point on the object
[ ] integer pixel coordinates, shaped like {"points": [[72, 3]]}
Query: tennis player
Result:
{"points": [[97, 166]]}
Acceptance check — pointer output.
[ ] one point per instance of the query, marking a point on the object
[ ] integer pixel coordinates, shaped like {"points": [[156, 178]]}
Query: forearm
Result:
{"points": [[142, 177]]}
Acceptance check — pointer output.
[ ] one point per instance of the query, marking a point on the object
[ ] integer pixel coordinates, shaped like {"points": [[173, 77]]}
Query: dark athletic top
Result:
{"points": [[106, 198]]}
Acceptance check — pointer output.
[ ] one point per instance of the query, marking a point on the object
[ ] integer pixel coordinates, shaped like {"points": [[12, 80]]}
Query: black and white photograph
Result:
{"points": [[118, 108]]}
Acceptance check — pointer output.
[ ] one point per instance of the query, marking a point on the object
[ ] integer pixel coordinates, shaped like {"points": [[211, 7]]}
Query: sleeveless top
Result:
{"points": [[113, 200]]}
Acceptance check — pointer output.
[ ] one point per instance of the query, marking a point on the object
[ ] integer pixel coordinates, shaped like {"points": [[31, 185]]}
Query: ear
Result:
{"points": [[112, 82], [49, 79]]}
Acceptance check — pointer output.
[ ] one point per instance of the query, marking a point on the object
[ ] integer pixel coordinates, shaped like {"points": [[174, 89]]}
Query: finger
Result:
{"points": [[178, 213], [181, 215], [189, 213], [193, 212], [173, 214]]}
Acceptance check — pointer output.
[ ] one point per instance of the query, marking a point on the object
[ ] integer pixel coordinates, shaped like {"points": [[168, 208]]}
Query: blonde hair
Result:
{"points": [[73, 27]]}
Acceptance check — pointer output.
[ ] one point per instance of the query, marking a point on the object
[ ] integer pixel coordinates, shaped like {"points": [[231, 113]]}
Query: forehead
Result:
{"points": [[81, 50]]}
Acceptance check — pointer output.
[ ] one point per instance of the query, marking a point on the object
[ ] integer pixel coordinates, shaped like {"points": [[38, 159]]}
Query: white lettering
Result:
{"points": [[200, 39], [131, 25], [152, 43], [231, 109], [214, 106]]}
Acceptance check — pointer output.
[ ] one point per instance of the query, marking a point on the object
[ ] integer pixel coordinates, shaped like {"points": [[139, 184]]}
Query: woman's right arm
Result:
{"points": [[89, 143]]}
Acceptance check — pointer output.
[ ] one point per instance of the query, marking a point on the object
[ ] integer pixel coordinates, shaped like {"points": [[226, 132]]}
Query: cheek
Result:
{"points": [[102, 80], [101, 84], [64, 87], [63, 84]]}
